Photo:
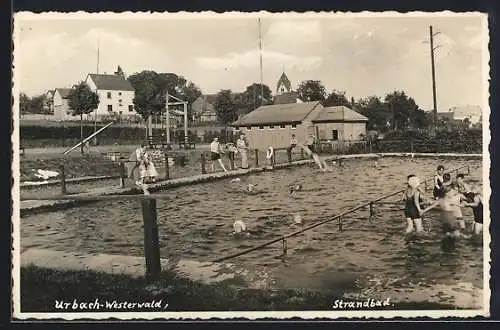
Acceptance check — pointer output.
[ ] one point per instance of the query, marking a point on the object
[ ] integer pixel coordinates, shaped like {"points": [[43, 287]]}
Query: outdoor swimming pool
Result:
{"points": [[369, 257]]}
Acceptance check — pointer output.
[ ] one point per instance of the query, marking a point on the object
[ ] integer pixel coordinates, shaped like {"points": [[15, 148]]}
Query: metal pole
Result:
{"points": [[151, 243], [186, 138]]}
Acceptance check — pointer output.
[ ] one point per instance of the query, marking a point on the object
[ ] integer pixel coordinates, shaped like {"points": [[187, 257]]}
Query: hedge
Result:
{"points": [[68, 135]]}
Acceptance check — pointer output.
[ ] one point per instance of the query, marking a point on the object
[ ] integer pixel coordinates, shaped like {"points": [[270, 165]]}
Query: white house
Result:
{"points": [[60, 105], [472, 112], [116, 95]]}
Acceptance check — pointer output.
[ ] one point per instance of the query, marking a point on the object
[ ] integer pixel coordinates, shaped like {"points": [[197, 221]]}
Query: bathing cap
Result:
{"points": [[414, 181], [297, 219], [239, 226]]}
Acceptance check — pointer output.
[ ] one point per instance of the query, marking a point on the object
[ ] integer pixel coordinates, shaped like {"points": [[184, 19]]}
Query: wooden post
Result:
{"points": [[256, 157], [63, 180], [167, 166], [273, 159], [122, 175], [203, 170], [301, 153], [289, 152], [151, 244], [468, 170], [340, 224], [231, 159], [371, 210]]}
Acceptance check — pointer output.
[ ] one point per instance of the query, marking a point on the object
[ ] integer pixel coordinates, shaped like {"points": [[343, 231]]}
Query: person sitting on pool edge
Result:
{"points": [[317, 159], [413, 209]]}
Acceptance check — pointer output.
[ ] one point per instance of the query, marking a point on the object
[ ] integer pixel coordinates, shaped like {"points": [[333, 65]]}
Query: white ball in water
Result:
{"points": [[239, 226]]}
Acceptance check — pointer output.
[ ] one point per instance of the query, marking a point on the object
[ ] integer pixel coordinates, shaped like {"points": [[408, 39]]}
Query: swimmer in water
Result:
{"points": [[294, 188], [413, 210], [297, 221], [477, 208], [458, 198], [438, 182], [448, 218], [240, 229], [463, 187], [317, 159]]}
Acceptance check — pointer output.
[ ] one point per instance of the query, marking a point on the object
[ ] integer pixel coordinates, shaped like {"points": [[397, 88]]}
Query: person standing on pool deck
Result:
{"points": [[317, 159], [412, 205], [477, 209], [242, 146], [216, 151], [448, 218], [438, 182], [310, 142]]}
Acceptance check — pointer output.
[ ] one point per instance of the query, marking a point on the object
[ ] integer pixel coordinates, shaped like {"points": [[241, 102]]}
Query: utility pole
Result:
{"points": [[261, 72], [97, 72], [434, 101]]}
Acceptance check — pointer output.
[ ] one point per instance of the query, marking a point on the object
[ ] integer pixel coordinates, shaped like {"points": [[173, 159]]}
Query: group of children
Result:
{"points": [[449, 197]]}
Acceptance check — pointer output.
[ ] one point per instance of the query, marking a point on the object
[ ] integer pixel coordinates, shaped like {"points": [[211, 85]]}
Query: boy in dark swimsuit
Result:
{"points": [[412, 205], [438, 182], [477, 208]]}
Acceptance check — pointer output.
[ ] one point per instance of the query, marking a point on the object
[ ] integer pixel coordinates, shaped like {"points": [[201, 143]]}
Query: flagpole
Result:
{"points": [[97, 72]]}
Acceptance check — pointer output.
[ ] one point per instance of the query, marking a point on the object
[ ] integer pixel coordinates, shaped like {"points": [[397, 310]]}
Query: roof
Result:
{"points": [[277, 113], [339, 114], [285, 98], [64, 92], [111, 82], [285, 81]]}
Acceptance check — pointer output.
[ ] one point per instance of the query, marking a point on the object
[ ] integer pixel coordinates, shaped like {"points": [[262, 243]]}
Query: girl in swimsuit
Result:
{"points": [[477, 209], [438, 182], [412, 205], [447, 206], [317, 159]]}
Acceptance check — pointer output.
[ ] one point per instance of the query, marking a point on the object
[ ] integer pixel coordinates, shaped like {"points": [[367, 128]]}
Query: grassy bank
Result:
{"points": [[40, 288]]}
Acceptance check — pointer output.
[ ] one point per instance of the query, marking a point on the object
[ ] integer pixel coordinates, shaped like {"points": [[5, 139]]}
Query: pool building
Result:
{"points": [[273, 125]]}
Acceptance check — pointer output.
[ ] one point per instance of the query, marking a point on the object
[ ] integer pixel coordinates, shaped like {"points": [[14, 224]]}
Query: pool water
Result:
{"points": [[369, 257]]}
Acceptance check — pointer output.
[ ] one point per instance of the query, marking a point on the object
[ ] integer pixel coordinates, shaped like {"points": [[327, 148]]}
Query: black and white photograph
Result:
{"points": [[250, 165]]}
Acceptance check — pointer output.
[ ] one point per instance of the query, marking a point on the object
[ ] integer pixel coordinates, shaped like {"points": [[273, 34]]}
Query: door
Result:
{"points": [[335, 135]]}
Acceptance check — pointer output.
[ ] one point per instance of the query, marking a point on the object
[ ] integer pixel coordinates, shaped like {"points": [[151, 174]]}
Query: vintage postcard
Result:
{"points": [[251, 165]]}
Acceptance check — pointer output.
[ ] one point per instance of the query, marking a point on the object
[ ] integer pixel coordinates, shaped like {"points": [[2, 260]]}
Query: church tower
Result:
{"points": [[284, 85]]}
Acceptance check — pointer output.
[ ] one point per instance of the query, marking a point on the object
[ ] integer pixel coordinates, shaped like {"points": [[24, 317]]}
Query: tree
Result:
{"points": [[24, 103], [119, 72], [254, 96], [311, 90], [405, 112], [151, 88], [82, 100], [377, 112], [225, 108], [147, 99], [336, 98]]}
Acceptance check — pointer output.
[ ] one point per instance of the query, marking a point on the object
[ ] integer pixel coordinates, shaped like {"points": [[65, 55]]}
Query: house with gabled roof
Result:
{"points": [[116, 95], [60, 105], [273, 125]]}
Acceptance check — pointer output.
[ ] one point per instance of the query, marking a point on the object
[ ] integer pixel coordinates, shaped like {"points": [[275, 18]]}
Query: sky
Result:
{"points": [[361, 55]]}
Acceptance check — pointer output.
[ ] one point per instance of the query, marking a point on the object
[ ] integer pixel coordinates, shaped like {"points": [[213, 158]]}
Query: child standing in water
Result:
{"points": [[438, 182], [412, 205], [477, 209], [448, 218]]}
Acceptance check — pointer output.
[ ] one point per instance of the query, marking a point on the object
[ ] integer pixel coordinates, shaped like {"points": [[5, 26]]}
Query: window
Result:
{"points": [[131, 108], [335, 135], [110, 108], [282, 126], [271, 127], [109, 95], [261, 127], [249, 128], [294, 126]]}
